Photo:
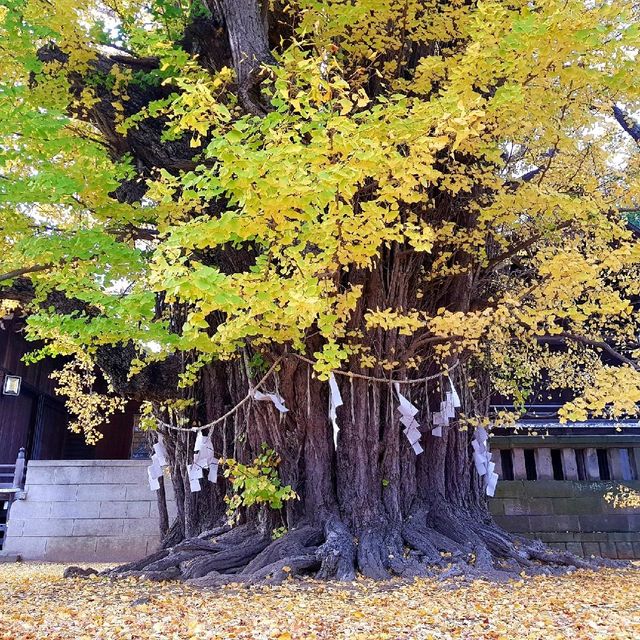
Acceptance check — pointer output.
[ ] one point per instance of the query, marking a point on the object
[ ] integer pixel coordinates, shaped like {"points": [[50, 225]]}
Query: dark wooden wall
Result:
{"points": [[37, 419]]}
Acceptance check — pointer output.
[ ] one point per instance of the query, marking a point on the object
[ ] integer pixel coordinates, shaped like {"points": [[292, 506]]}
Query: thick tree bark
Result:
{"points": [[371, 506]]}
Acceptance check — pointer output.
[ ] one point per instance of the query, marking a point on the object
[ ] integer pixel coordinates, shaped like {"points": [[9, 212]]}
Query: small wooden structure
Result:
{"points": [[36, 420]]}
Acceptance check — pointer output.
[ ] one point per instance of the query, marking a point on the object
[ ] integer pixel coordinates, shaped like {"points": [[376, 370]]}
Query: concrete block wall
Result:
{"points": [[85, 511], [570, 515]]}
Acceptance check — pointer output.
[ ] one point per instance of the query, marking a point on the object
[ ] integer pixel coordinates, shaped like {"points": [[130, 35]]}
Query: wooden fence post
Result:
{"points": [[18, 476]]}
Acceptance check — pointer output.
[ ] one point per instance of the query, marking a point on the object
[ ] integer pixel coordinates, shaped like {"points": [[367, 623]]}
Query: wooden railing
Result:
{"points": [[569, 456], [11, 486]]}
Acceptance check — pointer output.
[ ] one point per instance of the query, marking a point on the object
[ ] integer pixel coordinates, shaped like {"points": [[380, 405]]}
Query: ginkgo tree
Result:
{"points": [[357, 207]]}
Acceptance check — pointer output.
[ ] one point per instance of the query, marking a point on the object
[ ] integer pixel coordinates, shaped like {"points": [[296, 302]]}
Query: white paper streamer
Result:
{"points": [[204, 458], [161, 451], [405, 408], [158, 460], [491, 484], [447, 408], [155, 469], [482, 460], [440, 419], [154, 484], [203, 448], [454, 396], [408, 411], [335, 401], [278, 401], [409, 421], [194, 471], [413, 435], [481, 465], [200, 439], [447, 411]]}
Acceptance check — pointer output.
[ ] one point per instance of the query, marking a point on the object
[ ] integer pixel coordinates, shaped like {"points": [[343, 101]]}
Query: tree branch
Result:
{"points": [[521, 246], [250, 51], [540, 171], [157, 381], [597, 344], [16, 273], [629, 126]]}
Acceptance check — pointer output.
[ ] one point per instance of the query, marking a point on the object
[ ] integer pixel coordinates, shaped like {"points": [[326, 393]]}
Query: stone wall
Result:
{"points": [[103, 510], [85, 511], [569, 515]]}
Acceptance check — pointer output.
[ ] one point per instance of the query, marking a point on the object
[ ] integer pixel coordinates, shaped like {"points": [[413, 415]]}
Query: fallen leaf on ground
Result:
{"points": [[38, 603]]}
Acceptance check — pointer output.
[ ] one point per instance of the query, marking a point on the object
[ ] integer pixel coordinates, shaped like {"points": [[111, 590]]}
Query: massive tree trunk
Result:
{"points": [[368, 505]]}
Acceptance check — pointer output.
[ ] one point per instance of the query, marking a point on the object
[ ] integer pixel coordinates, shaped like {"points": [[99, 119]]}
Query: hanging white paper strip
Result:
{"points": [[437, 432], [440, 419], [417, 448], [200, 439], [408, 411], [413, 435], [213, 472], [194, 471], [278, 401], [161, 451], [204, 458], [335, 401], [405, 407], [446, 406], [203, 447], [454, 395], [482, 460], [158, 460], [409, 421], [155, 470], [154, 484], [491, 484]]}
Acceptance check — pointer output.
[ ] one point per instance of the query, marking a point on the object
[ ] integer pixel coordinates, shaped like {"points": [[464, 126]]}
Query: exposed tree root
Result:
{"points": [[338, 553], [446, 545]]}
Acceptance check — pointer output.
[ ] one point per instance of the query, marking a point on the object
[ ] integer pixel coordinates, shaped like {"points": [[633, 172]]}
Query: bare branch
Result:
{"points": [[542, 170]]}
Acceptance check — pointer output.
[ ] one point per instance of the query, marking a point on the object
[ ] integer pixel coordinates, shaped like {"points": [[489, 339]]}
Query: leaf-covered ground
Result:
{"points": [[36, 602]]}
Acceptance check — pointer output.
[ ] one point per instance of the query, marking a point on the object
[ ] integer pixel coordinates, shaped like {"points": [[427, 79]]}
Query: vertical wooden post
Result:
{"points": [[569, 464], [591, 464], [18, 476]]}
